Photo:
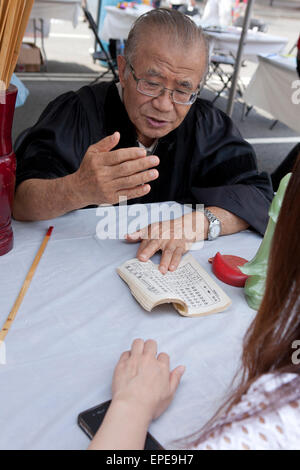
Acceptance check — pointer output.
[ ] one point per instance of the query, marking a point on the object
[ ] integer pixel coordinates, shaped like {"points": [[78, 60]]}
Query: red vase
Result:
{"points": [[7, 167]]}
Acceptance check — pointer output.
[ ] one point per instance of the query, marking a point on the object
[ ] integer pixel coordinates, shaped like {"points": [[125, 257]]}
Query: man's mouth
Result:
{"points": [[153, 122]]}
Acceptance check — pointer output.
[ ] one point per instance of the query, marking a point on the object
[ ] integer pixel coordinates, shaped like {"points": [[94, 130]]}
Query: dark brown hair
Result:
{"points": [[267, 346]]}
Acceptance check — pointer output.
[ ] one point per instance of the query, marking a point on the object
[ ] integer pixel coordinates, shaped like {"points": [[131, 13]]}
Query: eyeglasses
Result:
{"points": [[149, 88]]}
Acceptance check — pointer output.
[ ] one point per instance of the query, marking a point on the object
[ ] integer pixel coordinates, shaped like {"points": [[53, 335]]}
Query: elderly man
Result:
{"points": [[148, 138]]}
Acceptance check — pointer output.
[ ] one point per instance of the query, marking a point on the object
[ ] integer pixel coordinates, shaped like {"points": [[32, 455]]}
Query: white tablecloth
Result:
{"points": [[67, 10], [272, 88], [117, 24], [256, 42], [76, 319]]}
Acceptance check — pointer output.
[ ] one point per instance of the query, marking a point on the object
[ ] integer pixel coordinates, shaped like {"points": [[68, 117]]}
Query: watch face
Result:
{"points": [[214, 231]]}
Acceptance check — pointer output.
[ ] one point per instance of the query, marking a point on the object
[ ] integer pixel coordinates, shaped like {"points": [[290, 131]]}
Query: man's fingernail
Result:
{"points": [[172, 267], [143, 257], [154, 160]]}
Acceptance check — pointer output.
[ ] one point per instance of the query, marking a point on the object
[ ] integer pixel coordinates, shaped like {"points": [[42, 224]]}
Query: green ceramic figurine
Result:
{"points": [[257, 267]]}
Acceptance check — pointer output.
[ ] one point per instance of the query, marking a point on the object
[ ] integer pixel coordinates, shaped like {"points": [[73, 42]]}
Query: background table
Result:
{"points": [[77, 318], [67, 10], [256, 42], [117, 24], [45, 10], [271, 89]]}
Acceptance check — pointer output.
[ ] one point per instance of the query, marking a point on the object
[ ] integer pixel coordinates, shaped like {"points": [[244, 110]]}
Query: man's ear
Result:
{"points": [[121, 66]]}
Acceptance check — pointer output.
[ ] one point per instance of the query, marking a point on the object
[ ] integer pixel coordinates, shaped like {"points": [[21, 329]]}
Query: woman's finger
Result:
{"points": [[137, 347], [165, 358], [124, 356], [175, 378], [150, 347]]}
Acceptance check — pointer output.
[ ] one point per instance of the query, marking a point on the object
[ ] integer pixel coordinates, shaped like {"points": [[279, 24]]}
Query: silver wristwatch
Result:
{"points": [[214, 228]]}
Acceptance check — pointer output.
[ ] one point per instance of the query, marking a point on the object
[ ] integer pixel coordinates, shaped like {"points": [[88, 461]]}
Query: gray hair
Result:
{"points": [[178, 26]]}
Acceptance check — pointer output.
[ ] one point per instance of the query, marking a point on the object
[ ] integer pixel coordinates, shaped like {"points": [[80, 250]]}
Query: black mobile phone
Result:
{"points": [[90, 420]]}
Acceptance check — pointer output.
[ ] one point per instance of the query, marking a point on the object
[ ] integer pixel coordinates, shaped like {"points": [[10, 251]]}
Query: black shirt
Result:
{"points": [[204, 160]]}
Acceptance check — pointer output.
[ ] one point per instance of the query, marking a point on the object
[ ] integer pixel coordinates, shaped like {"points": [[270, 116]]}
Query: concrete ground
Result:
{"points": [[70, 66]]}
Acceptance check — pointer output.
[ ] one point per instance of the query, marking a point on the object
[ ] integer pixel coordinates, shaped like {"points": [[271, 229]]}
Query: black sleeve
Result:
{"points": [[55, 145], [227, 175]]}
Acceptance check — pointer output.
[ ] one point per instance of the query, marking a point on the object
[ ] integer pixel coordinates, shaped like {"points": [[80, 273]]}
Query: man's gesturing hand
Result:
{"points": [[105, 175]]}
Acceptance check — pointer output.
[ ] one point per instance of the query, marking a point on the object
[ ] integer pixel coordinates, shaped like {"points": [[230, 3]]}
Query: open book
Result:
{"points": [[190, 288]]}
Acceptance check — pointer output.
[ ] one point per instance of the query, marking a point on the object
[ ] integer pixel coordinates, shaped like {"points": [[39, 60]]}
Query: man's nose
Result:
{"points": [[164, 101]]}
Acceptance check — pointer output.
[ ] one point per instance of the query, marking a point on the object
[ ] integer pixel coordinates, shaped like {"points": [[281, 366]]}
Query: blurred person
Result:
{"points": [[217, 13], [263, 413]]}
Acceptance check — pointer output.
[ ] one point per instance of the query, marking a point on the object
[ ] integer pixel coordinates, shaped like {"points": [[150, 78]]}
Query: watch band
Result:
{"points": [[214, 228]]}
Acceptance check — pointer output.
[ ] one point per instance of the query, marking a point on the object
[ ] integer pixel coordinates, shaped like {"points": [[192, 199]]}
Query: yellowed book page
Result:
{"points": [[146, 283], [190, 288]]}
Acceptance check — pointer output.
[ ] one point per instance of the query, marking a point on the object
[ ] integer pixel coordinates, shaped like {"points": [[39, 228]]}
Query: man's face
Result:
{"points": [[159, 60]]}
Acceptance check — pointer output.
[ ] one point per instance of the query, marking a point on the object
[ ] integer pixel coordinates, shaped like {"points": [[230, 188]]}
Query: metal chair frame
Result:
{"points": [[216, 61], [102, 55]]}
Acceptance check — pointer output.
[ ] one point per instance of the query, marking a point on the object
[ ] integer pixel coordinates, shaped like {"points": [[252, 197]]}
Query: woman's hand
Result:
{"points": [[142, 388], [143, 379]]}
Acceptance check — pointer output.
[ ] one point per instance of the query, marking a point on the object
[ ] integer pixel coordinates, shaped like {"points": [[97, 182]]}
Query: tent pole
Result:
{"points": [[97, 21], [239, 57]]}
